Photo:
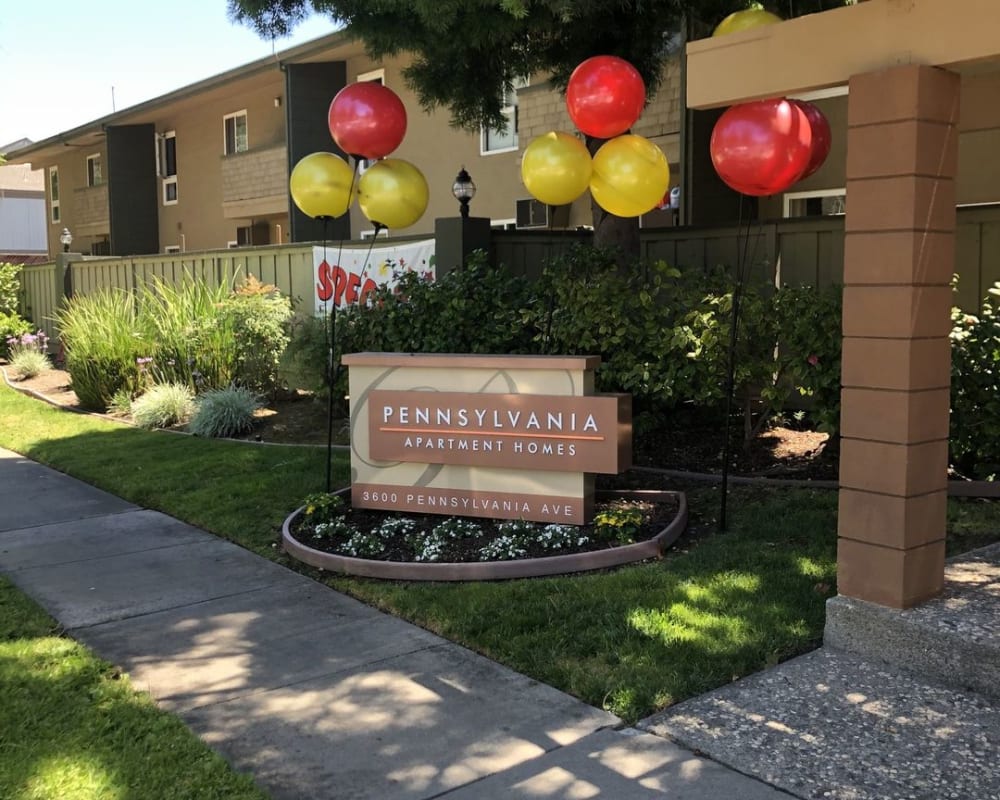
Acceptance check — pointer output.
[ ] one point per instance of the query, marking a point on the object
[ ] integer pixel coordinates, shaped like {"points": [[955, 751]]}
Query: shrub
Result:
{"points": [[10, 287], [12, 326], [259, 317], [102, 343], [975, 388], [163, 405], [808, 322], [191, 339], [662, 335], [476, 309], [28, 362], [224, 412], [304, 362]]}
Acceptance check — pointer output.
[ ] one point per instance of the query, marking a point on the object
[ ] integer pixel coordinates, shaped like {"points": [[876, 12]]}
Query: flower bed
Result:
{"points": [[628, 526]]}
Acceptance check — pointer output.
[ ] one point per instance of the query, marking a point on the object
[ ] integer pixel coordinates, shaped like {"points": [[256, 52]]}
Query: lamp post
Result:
{"points": [[463, 190], [65, 239]]}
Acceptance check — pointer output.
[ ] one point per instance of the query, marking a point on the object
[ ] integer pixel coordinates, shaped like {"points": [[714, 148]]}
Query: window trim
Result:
{"points": [[91, 183], [225, 142], [371, 76], [788, 197], [171, 181], [161, 166], [55, 212], [510, 111]]}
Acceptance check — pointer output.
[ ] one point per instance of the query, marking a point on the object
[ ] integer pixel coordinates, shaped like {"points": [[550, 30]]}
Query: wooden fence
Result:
{"points": [[794, 252]]}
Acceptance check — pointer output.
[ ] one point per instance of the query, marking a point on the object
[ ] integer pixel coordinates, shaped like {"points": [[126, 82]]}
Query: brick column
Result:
{"points": [[899, 255]]}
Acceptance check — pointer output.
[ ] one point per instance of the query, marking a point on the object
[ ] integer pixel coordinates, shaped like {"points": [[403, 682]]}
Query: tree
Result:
{"points": [[468, 53]]}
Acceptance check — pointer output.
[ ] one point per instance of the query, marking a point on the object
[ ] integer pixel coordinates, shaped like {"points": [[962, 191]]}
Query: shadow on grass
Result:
{"points": [[71, 727]]}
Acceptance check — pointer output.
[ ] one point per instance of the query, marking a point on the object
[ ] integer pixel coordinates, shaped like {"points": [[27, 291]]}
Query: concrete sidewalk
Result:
{"points": [[314, 694]]}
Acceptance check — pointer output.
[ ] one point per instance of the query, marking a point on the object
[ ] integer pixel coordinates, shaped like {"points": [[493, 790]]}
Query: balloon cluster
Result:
{"points": [[762, 148], [367, 121], [629, 175]]}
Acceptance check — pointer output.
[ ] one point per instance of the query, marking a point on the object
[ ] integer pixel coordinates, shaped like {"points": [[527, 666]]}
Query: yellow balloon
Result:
{"points": [[556, 168], [322, 185], [631, 175], [393, 193], [745, 20]]}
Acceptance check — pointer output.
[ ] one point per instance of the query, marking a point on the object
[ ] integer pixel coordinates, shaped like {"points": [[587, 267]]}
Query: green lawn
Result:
{"points": [[631, 640], [73, 728]]}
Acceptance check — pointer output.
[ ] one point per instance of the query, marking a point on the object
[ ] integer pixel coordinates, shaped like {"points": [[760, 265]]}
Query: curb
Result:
{"points": [[495, 570]]}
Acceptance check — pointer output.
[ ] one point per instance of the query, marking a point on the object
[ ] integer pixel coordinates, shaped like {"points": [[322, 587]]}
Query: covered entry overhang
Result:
{"points": [[903, 61]]}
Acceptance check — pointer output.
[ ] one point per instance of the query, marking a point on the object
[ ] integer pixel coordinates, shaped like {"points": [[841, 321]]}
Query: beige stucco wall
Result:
{"points": [[78, 204], [198, 215]]}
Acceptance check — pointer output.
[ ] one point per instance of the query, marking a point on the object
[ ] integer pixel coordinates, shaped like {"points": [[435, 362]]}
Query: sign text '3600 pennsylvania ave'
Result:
{"points": [[571, 434]]}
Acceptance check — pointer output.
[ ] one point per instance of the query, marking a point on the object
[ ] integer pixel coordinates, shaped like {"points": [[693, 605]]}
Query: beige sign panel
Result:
{"points": [[513, 431], [526, 491]]}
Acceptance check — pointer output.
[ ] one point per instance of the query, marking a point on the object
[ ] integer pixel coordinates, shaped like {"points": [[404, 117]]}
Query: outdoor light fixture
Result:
{"points": [[65, 239], [464, 190]]}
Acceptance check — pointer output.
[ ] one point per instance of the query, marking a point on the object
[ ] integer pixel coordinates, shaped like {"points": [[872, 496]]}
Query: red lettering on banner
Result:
{"points": [[339, 284], [335, 282], [324, 289], [353, 283]]}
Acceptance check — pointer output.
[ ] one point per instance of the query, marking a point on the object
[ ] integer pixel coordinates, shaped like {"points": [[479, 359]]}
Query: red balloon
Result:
{"points": [[821, 137], [367, 120], [605, 96], [762, 148]]}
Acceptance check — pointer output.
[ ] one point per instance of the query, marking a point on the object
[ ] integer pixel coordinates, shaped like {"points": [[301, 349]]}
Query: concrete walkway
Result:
{"points": [[314, 694]]}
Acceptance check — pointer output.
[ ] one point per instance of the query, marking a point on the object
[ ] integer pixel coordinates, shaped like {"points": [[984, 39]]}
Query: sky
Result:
{"points": [[59, 61]]}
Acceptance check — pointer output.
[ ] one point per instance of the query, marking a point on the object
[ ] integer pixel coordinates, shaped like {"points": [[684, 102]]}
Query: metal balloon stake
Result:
{"points": [[332, 362], [742, 272]]}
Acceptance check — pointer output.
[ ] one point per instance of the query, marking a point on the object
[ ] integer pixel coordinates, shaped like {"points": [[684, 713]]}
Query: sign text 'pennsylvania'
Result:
{"points": [[518, 431]]}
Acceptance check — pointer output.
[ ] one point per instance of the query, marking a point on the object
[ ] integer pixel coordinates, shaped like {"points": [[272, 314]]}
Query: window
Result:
{"points": [[235, 132], [820, 203], [172, 248], [95, 170], [55, 215], [166, 160], [495, 140]]}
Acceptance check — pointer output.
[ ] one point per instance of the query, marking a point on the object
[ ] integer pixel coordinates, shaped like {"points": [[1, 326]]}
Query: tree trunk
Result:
{"points": [[618, 235]]}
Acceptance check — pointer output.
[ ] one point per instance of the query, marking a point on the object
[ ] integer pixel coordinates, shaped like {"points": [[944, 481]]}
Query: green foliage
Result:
{"points": [[164, 405], [466, 53], [322, 507], [102, 342], [620, 523], [187, 334], [259, 317], [12, 326], [202, 336], [224, 412], [470, 310], [975, 388], [10, 287], [304, 362], [809, 343], [662, 335], [28, 362]]}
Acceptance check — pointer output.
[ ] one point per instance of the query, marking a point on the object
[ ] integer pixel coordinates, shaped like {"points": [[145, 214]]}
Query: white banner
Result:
{"points": [[346, 275]]}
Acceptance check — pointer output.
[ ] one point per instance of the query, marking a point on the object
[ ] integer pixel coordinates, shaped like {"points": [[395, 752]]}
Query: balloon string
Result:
{"points": [[364, 269], [741, 257], [331, 328]]}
